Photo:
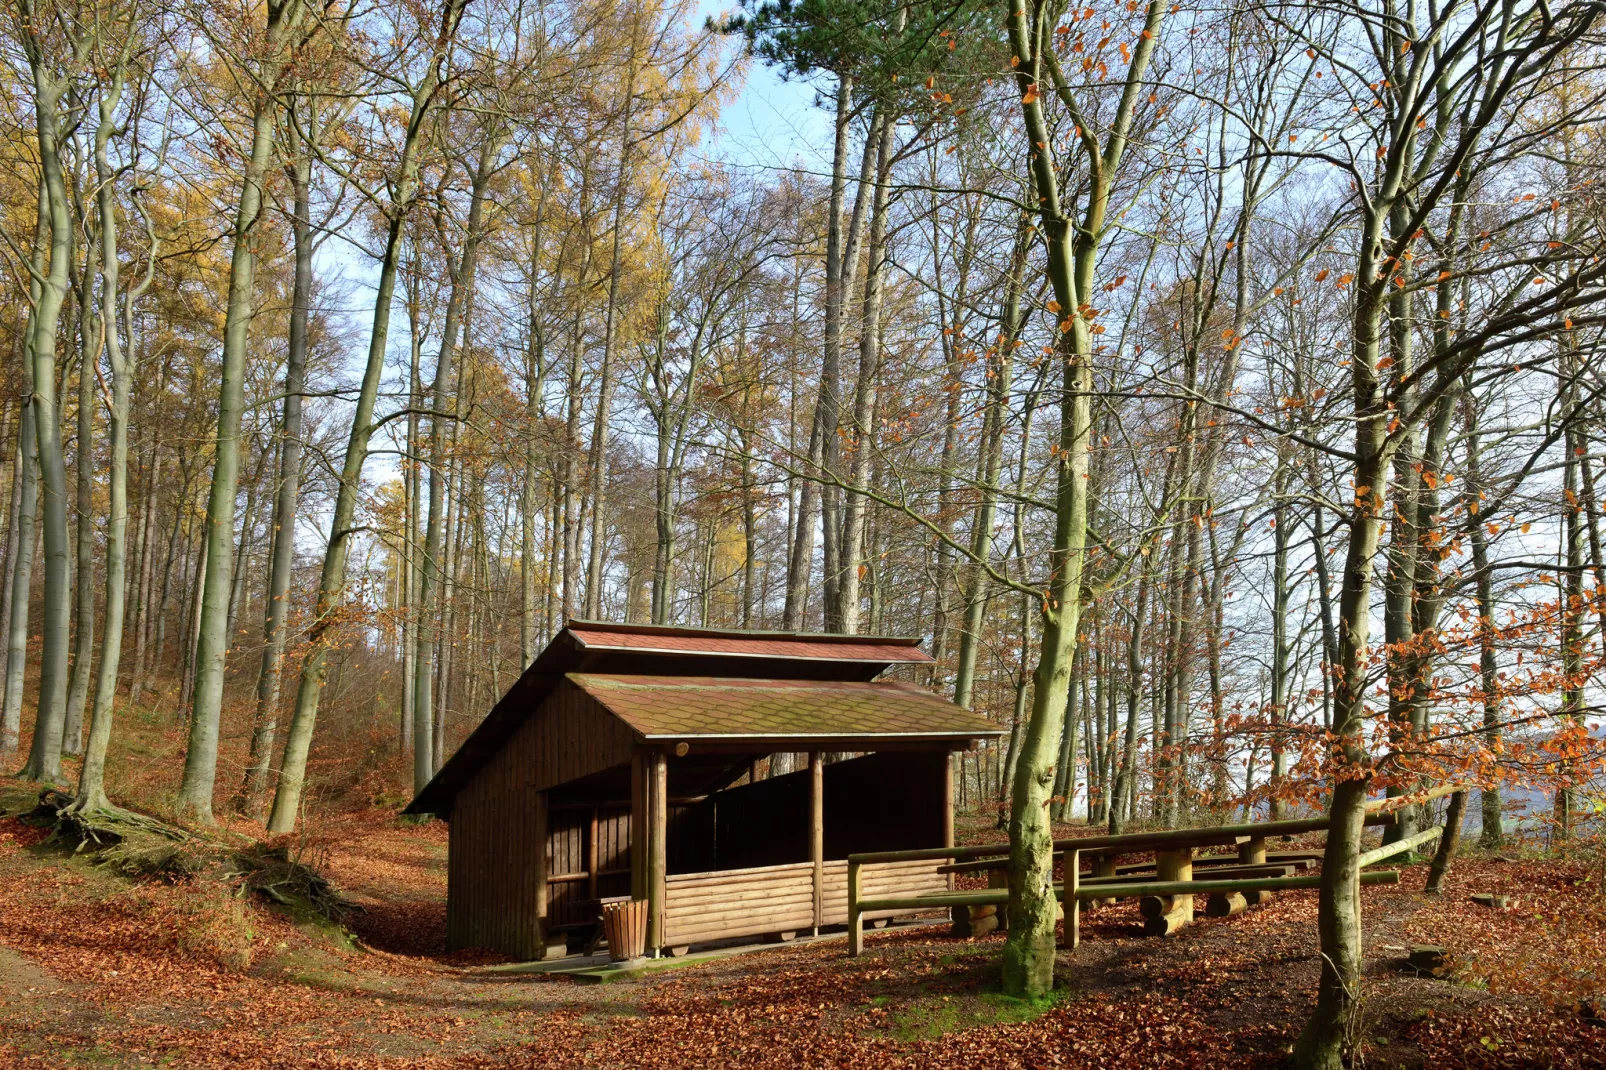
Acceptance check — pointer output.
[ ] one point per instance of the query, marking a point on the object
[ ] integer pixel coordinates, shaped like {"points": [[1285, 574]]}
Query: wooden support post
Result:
{"points": [[592, 851], [1073, 913], [657, 849], [1253, 853], [1174, 865], [538, 831], [638, 825], [1103, 866], [855, 921], [947, 805], [817, 833]]}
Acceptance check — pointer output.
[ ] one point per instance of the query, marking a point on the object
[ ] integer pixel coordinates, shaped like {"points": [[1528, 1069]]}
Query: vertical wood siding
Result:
{"points": [[492, 866]]}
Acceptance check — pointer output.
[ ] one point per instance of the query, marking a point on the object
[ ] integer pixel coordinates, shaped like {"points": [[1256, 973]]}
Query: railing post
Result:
{"points": [[1073, 911], [855, 922]]}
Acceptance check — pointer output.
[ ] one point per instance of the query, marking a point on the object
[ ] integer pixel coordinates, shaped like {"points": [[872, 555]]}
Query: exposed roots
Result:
{"points": [[143, 847], [272, 870]]}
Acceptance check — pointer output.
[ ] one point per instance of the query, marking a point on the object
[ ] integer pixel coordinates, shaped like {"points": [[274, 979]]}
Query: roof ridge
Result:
{"points": [[685, 632]]}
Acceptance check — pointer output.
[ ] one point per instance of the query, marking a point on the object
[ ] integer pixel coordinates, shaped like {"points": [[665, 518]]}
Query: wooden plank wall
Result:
{"points": [[491, 869], [890, 801], [702, 907], [491, 886], [742, 902], [571, 901]]}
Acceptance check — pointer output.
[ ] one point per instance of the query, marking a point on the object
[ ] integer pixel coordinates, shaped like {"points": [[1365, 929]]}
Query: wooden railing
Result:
{"points": [[1175, 886]]}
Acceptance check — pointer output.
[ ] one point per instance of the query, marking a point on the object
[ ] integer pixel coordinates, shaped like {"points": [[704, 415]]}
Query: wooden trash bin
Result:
{"points": [[624, 926]]}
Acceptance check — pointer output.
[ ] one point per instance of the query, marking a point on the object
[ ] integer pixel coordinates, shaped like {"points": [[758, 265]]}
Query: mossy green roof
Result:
{"points": [[675, 707]]}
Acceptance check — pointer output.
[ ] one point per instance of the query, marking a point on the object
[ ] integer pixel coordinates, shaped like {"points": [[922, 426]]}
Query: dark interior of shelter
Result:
{"points": [[719, 819]]}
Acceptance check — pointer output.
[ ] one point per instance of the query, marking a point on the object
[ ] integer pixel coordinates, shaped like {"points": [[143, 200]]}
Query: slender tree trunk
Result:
{"points": [[21, 581], [596, 563], [287, 493], [212, 640], [92, 781], [852, 540], [331, 583], [430, 567], [44, 758], [83, 657]]}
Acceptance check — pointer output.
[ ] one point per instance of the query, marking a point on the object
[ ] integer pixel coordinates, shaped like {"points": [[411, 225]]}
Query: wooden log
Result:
{"points": [[1226, 904], [1212, 873], [998, 877], [1168, 923], [1153, 906], [798, 892], [1253, 853], [1490, 900], [1400, 847], [1177, 866], [1241, 884], [969, 922]]}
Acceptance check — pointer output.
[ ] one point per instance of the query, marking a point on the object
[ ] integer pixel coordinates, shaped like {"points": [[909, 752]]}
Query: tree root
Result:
{"points": [[142, 847]]}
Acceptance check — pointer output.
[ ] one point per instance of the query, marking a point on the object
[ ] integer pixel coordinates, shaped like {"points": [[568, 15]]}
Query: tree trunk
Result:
{"points": [[92, 781], [44, 758], [212, 639], [287, 493], [331, 583]]}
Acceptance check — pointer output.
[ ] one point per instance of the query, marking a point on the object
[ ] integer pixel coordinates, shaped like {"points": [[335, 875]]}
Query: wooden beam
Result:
{"points": [[1400, 847], [538, 818], [1073, 913], [1253, 853], [638, 825], [657, 848], [947, 805], [592, 865], [984, 896], [817, 833]]}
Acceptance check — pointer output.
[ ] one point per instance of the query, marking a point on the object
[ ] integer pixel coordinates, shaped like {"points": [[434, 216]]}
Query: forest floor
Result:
{"points": [[99, 971]]}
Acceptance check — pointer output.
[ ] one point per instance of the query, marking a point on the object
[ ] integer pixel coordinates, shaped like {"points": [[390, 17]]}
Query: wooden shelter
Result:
{"points": [[626, 763]]}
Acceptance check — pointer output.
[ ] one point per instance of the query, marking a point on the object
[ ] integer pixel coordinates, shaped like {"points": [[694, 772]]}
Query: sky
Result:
{"points": [[772, 124]]}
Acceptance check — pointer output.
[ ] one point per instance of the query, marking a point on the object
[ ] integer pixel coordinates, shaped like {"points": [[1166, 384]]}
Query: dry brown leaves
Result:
{"points": [[93, 969]]}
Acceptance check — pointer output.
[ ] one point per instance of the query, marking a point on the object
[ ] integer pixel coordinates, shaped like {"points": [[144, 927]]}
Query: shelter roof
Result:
{"points": [[797, 711], [595, 647]]}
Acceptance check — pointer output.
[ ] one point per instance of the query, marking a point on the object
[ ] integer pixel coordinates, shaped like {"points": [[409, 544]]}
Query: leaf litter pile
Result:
{"points": [[98, 970]]}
